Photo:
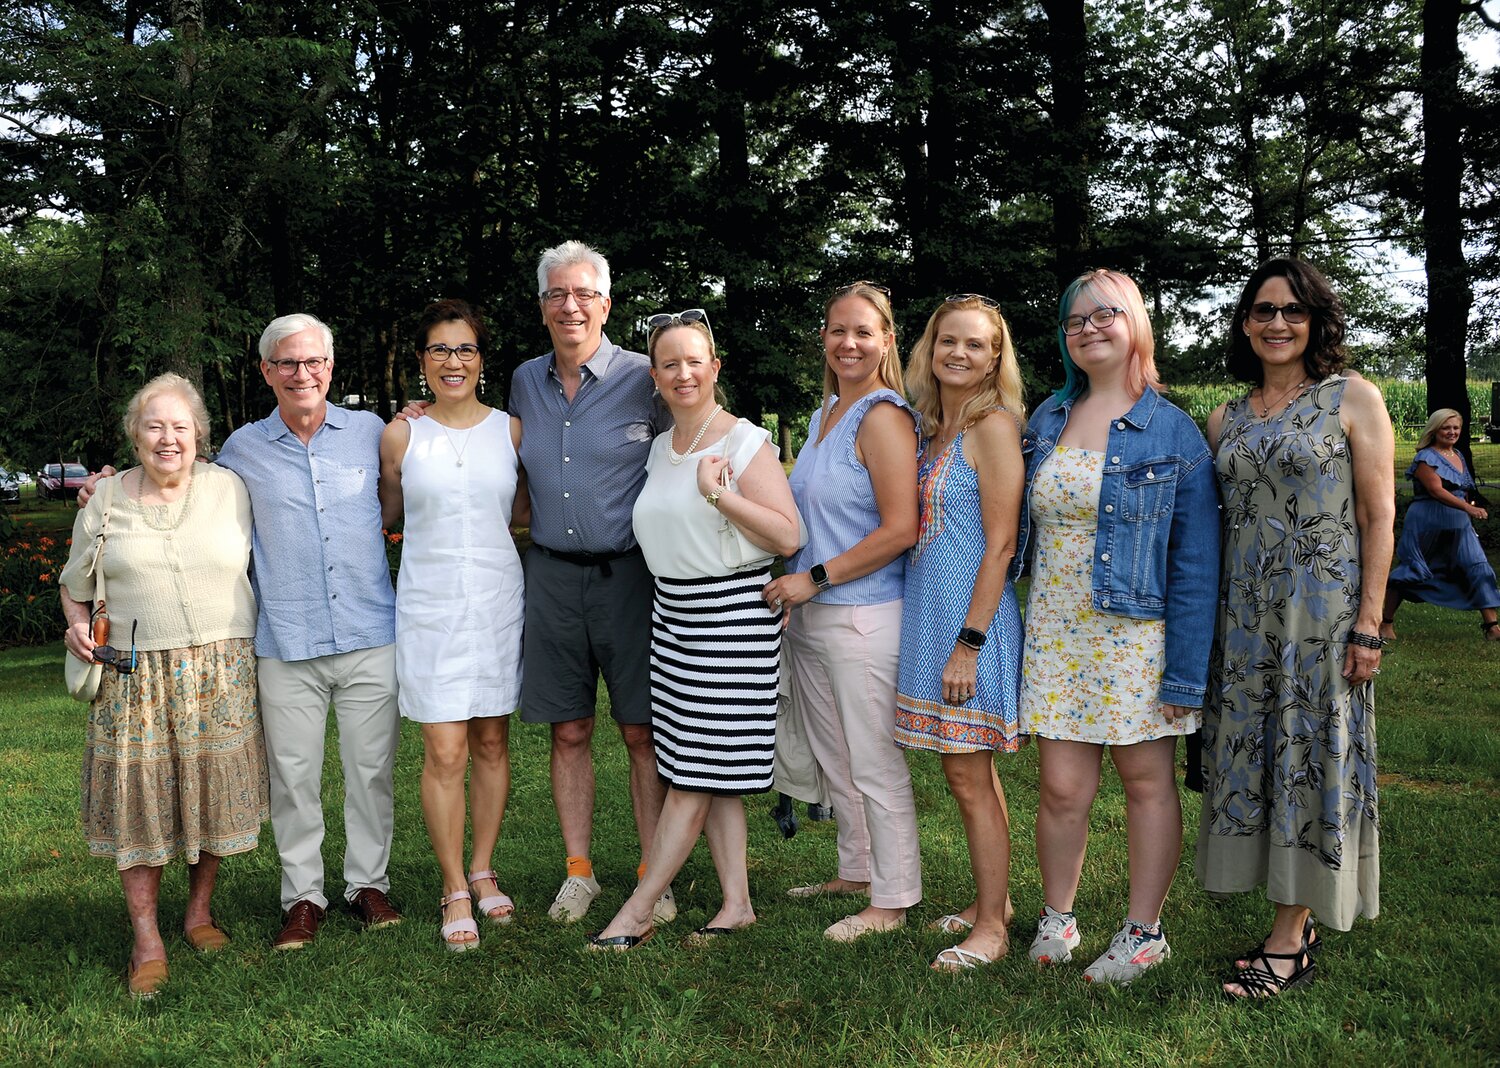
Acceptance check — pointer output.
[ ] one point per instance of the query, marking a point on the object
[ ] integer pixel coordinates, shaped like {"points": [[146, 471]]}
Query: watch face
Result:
{"points": [[819, 574]]}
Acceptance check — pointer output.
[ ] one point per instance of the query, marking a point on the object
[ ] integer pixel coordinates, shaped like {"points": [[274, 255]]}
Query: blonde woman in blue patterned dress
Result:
{"points": [[1120, 488], [960, 625]]}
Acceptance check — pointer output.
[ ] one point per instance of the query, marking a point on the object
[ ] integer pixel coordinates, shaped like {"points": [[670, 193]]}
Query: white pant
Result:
{"points": [[294, 698], [843, 661]]}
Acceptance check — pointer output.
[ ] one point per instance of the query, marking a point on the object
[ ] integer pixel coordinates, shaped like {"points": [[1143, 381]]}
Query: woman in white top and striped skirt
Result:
{"points": [[715, 511]]}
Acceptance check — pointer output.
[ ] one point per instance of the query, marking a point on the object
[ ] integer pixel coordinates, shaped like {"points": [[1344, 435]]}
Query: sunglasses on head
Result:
{"points": [[862, 283], [661, 320]]}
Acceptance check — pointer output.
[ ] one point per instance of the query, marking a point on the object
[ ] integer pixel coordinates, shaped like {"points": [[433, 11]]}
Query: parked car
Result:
{"points": [[10, 487], [59, 482]]}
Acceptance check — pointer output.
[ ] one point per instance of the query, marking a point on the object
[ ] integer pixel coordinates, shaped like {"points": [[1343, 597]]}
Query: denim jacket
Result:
{"points": [[1156, 553]]}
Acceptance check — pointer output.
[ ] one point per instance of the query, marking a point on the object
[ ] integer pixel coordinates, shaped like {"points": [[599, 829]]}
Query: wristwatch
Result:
{"points": [[713, 498], [819, 574], [974, 639]]}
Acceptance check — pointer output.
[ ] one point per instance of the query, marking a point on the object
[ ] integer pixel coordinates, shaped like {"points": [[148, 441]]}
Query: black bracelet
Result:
{"points": [[1366, 641]]}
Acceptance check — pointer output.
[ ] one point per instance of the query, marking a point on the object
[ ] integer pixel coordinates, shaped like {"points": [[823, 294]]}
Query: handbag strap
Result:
{"points": [[107, 489]]}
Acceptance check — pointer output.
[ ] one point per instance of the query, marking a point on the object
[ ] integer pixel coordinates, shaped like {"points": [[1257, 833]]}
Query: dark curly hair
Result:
{"points": [[452, 311], [1325, 354]]}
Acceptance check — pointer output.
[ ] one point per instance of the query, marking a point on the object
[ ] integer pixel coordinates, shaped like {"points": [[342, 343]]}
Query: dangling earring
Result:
{"points": [[481, 381], [425, 391]]}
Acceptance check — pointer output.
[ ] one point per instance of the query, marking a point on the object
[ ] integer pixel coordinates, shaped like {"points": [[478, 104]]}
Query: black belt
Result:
{"points": [[599, 560]]}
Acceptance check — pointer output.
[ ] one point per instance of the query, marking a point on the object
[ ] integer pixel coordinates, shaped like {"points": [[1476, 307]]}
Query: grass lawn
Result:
{"points": [[1418, 986]]}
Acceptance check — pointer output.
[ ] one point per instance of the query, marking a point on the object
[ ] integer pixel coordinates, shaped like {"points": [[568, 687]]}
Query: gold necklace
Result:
{"points": [[674, 456], [1266, 407]]}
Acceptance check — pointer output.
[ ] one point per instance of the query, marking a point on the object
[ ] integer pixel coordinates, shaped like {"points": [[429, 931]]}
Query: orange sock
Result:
{"points": [[580, 866], [640, 871]]}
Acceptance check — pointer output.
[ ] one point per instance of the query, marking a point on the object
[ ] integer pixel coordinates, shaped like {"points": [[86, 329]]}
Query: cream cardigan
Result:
{"points": [[187, 586]]}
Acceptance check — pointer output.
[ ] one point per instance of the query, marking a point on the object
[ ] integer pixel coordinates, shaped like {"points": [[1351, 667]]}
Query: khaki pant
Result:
{"points": [[294, 698], [843, 662]]}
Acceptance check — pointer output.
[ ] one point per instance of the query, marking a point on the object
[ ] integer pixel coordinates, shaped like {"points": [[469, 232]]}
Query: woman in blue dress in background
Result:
{"points": [[960, 675], [1439, 559]]}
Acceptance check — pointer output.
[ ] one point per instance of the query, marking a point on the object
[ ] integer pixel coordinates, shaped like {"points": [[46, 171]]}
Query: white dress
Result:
{"points": [[459, 595]]}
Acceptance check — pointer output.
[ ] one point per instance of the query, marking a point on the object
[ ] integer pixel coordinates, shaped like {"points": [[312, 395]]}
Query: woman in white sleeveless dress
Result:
{"points": [[459, 604]]}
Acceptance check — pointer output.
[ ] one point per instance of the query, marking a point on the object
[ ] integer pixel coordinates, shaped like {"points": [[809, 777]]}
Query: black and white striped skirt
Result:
{"points": [[715, 666]]}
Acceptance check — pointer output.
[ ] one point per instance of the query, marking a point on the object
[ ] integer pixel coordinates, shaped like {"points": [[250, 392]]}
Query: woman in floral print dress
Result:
{"points": [[1306, 474]]}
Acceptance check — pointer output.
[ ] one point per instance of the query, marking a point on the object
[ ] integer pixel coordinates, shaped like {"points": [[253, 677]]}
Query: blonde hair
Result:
{"points": [[890, 364], [169, 382], [703, 331], [1001, 388], [1112, 290], [1435, 420]]}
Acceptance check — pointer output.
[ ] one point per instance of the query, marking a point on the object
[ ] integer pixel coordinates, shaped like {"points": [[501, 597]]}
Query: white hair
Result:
{"points": [[283, 327], [566, 255]]}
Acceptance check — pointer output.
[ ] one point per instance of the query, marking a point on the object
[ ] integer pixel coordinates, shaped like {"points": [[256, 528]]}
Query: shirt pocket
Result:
{"points": [[1149, 490]]}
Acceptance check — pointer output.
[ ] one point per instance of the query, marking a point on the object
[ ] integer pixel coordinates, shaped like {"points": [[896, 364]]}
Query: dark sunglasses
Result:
{"points": [[1291, 312], [661, 320], [111, 657]]}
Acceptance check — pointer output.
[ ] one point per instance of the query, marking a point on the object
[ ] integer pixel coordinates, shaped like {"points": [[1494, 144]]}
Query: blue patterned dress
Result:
{"points": [[940, 575], [1289, 794], [1439, 559]]}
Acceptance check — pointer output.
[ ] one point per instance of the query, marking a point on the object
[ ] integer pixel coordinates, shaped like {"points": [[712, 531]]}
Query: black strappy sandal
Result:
{"points": [[1261, 981], [1488, 629], [1310, 939]]}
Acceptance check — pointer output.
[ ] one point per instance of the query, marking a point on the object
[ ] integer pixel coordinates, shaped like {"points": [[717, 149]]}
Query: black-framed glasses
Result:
{"points": [[1100, 318], [111, 657], [959, 298], [1292, 313], [661, 320], [556, 298], [288, 368], [465, 352], [865, 283]]}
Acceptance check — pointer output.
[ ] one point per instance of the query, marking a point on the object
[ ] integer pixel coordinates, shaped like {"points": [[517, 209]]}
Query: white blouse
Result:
{"points": [[677, 529]]}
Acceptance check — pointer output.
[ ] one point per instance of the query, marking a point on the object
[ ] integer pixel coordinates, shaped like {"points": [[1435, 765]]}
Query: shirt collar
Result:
{"points": [[334, 416], [596, 365]]}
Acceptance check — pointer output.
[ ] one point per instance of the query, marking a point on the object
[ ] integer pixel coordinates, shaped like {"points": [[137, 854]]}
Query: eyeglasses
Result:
{"points": [[465, 352], [111, 657], [661, 320], [865, 283], [959, 298], [1292, 313], [556, 298], [1099, 317], [288, 368]]}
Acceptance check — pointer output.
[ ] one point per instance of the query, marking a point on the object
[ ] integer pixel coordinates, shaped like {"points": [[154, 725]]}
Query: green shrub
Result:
{"points": [[30, 608]]}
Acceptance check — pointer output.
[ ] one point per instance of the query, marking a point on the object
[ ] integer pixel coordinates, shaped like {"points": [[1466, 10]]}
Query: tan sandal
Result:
{"points": [[498, 907], [466, 925]]}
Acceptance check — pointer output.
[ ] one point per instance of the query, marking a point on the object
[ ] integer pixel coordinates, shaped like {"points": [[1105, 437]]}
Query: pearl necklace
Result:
{"points": [[674, 456]]}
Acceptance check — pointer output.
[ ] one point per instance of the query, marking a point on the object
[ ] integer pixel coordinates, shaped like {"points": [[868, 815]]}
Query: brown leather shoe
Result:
{"points": [[374, 909], [300, 926]]}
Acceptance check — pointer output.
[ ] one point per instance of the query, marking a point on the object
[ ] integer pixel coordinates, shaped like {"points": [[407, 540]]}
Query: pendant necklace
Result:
{"points": [[1266, 408], [674, 456], [458, 452]]}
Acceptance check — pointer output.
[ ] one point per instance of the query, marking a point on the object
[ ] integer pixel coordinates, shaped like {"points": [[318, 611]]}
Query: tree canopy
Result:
{"points": [[174, 174]]}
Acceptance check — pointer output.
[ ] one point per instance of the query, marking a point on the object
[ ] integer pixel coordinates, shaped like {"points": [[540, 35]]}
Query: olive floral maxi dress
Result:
{"points": [[1288, 745]]}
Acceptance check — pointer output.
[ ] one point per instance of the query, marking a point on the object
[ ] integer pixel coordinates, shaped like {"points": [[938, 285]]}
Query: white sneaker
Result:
{"points": [[1132, 951], [1056, 937], [665, 909], [574, 898]]}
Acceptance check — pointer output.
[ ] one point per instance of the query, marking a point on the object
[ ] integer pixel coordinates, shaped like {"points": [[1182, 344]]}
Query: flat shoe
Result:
{"points": [[207, 937], [952, 923], [620, 943], [146, 980], [957, 959], [704, 935], [821, 890], [852, 927]]}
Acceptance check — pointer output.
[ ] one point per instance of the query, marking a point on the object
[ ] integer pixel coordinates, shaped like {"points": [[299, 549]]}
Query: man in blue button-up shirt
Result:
{"points": [[327, 625]]}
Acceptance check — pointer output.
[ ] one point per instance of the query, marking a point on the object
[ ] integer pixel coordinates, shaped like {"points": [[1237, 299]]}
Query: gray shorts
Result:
{"points": [[580, 624]]}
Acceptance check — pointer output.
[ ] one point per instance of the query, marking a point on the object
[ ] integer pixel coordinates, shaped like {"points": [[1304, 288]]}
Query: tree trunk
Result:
{"points": [[1449, 295], [1067, 52], [194, 132]]}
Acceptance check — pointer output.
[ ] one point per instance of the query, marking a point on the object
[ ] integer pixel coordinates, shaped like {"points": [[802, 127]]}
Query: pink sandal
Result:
{"points": [[498, 908], [458, 927]]}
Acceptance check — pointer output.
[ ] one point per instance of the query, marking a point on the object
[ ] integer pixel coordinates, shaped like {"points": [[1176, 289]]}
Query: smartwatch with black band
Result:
{"points": [[819, 574], [974, 639]]}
